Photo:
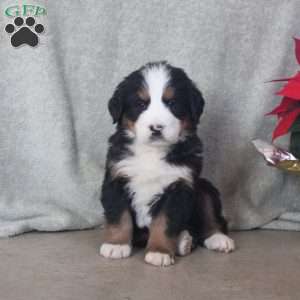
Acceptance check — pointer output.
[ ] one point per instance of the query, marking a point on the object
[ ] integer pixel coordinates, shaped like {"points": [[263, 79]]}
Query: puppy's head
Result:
{"points": [[157, 103]]}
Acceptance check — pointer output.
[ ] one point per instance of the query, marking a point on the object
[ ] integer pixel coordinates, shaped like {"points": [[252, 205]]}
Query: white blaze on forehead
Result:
{"points": [[156, 80]]}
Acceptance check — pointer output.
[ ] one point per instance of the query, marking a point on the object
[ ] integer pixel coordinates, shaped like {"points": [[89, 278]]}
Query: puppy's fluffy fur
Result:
{"points": [[153, 193]]}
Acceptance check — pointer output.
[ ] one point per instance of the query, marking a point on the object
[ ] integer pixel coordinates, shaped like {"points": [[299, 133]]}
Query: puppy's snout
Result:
{"points": [[156, 129]]}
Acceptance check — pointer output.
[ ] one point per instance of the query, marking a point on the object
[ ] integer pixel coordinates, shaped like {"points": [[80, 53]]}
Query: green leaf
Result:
{"points": [[295, 144], [296, 126]]}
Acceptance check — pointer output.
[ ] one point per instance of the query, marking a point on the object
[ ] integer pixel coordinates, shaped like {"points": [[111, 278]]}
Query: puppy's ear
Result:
{"points": [[115, 105], [196, 103]]}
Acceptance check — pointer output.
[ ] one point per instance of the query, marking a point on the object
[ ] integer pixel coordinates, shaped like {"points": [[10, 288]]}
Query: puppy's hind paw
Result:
{"points": [[184, 243], [220, 242]]}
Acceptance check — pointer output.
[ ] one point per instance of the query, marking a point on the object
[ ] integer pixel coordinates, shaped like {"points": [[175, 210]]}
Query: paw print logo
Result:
{"points": [[22, 34]]}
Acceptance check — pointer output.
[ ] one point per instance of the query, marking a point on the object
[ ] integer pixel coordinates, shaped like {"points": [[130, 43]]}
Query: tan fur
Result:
{"points": [[185, 125], [128, 124], [144, 94], [158, 240], [120, 233], [168, 93]]}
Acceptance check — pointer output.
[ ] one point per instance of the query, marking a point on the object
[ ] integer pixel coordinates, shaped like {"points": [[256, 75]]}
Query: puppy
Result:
{"points": [[152, 192]]}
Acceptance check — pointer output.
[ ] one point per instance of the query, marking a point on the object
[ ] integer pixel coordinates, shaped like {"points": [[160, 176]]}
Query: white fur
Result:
{"points": [[220, 242], [184, 243], [156, 79], [159, 259], [115, 251], [149, 174]]}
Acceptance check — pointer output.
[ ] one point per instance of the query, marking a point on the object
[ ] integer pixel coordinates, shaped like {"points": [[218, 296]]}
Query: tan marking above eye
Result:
{"points": [[144, 95], [168, 93]]}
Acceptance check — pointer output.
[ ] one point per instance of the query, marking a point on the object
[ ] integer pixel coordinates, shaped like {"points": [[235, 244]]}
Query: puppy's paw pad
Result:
{"points": [[184, 245], [115, 251], [220, 242], [159, 259]]}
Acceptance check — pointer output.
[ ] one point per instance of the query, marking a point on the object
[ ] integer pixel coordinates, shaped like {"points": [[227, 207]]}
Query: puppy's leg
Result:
{"points": [[167, 230], [117, 238], [213, 226], [118, 229], [161, 247]]}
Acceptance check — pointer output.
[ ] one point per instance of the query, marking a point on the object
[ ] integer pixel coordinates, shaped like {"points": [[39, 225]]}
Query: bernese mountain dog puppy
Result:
{"points": [[153, 194]]}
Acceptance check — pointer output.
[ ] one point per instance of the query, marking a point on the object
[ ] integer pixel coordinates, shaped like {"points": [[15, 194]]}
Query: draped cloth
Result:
{"points": [[54, 121]]}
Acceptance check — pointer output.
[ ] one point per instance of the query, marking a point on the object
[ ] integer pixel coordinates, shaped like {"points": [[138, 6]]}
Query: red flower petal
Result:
{"points": [[285, 105], [291, 89], [285, 123], [297, 49], [296, 77]]}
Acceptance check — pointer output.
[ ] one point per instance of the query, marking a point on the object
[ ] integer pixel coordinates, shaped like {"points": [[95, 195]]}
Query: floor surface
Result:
{"points": [[67, 265]]}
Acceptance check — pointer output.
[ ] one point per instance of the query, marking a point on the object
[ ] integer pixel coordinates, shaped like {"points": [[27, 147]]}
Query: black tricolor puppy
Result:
{"points": [[152, 192]]}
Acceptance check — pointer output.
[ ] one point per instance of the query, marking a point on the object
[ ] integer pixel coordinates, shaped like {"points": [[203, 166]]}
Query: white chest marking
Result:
{"points": [[149, 175]]}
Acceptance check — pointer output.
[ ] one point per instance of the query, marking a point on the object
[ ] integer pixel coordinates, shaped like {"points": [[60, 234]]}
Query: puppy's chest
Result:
{"points": [[149, 174]]}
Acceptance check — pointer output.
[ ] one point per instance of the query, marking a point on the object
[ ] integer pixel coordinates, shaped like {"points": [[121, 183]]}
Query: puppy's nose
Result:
{"points": [[156, 129]]}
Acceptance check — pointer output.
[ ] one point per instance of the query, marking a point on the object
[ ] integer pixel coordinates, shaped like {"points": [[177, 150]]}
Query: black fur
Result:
{"points": [[187, 93], [188, 99], [124, 97], [195, 207], [177, 203], [187, 153]]}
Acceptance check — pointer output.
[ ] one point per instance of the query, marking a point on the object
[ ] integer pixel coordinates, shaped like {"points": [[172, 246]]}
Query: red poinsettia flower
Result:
{"points": [[289, 108]]}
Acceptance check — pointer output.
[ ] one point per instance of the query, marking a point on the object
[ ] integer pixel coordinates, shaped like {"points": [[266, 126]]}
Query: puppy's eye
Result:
{"points": [[141, 103], [169, 102]]}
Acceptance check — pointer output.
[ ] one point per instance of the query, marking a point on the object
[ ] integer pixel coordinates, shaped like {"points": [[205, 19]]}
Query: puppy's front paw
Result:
{"points": [[159, 259], [115, 251], [220, 242]]}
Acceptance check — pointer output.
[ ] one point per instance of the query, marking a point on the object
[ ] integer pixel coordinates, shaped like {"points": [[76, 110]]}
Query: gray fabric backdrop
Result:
{"points": [[53, 118]]}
